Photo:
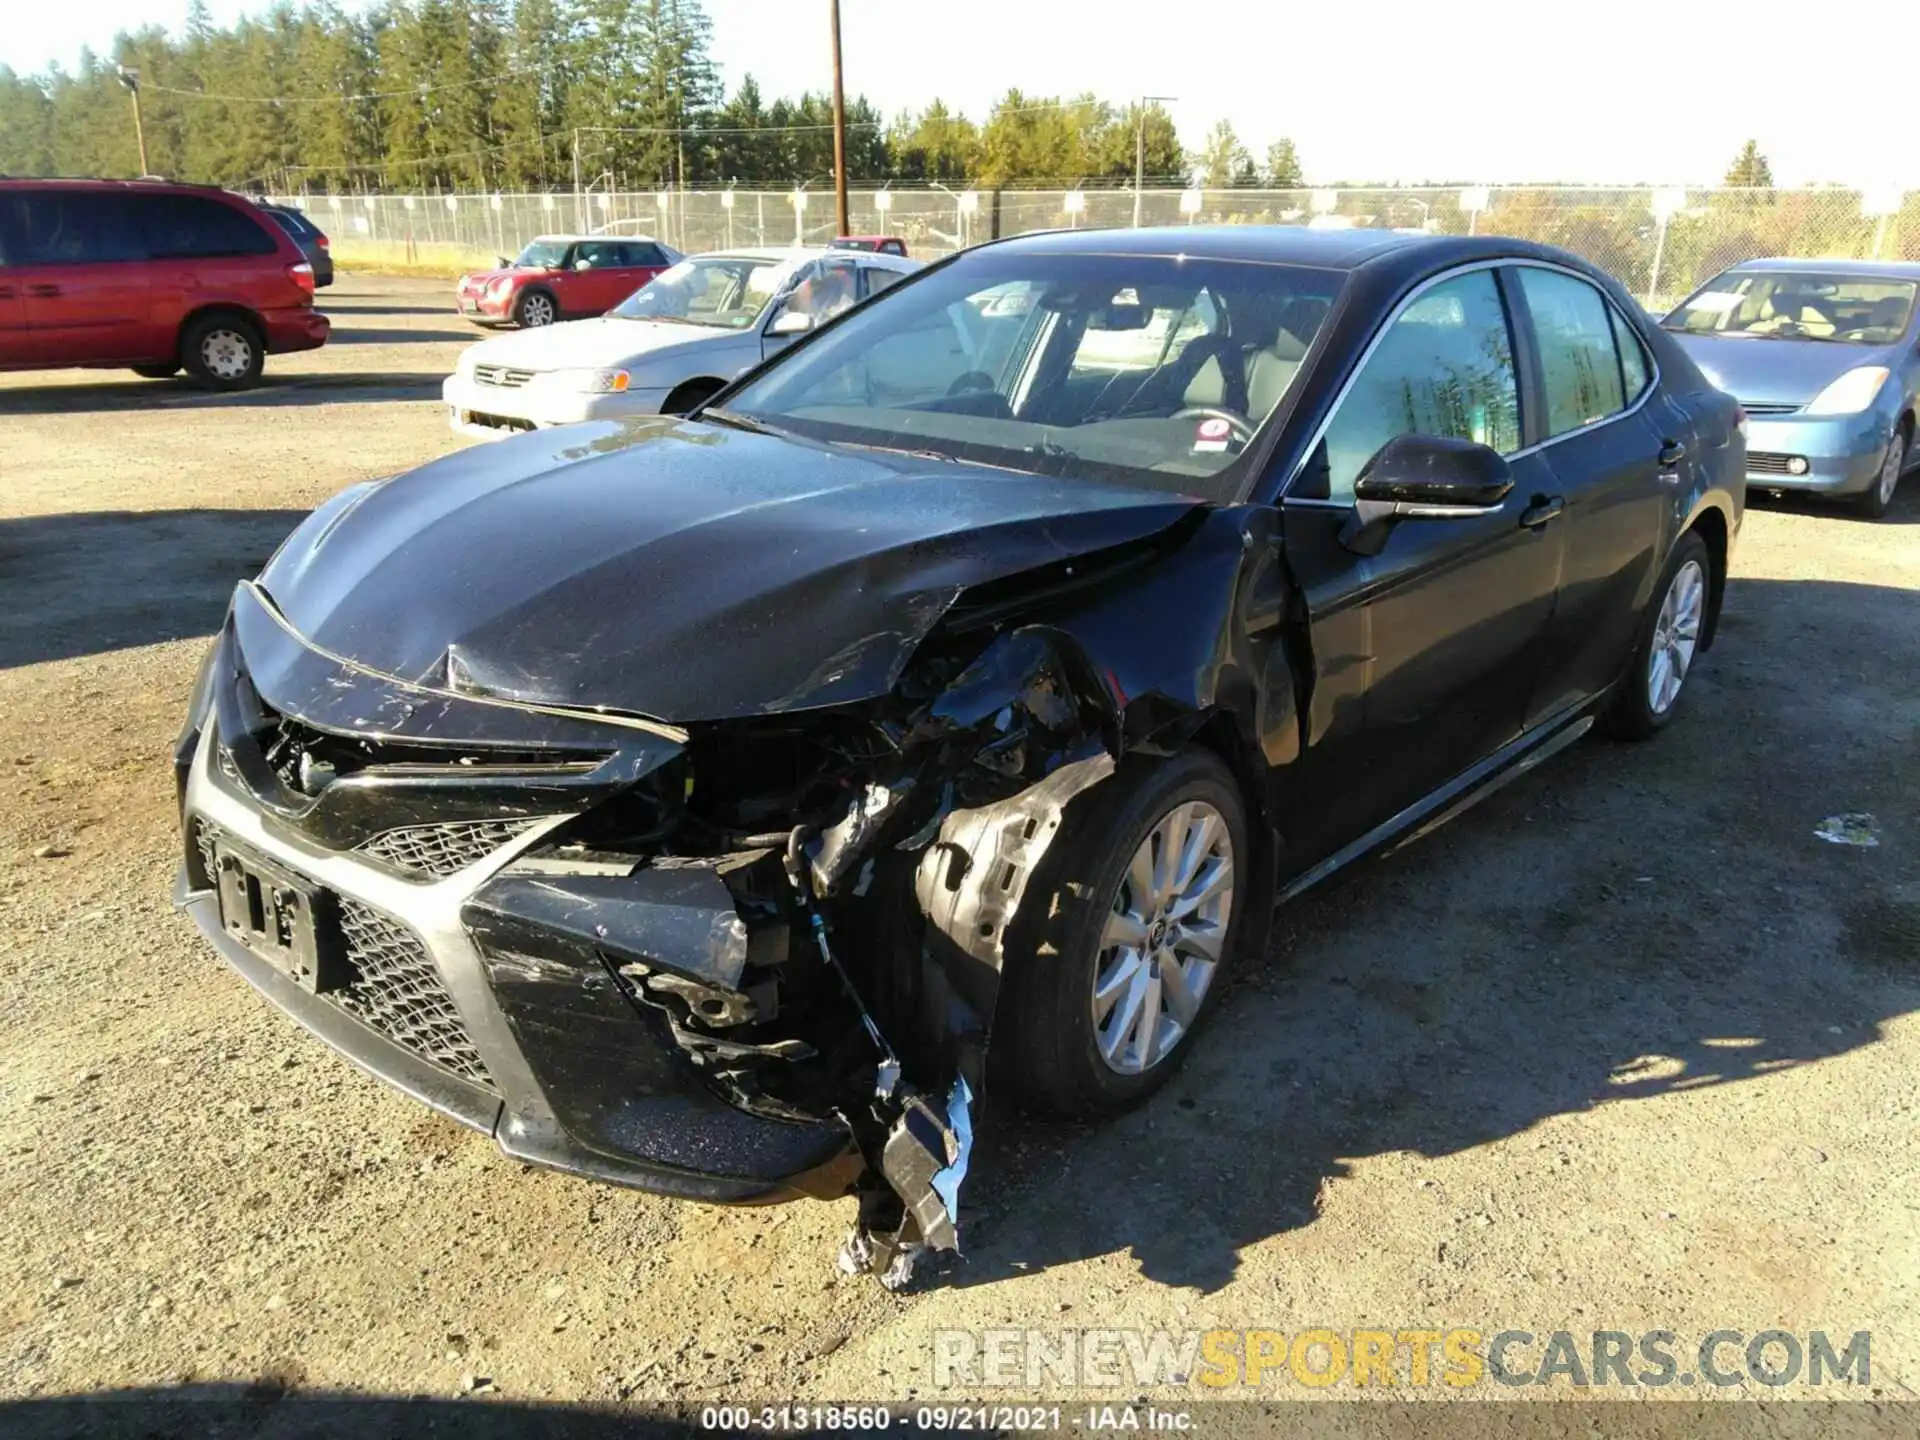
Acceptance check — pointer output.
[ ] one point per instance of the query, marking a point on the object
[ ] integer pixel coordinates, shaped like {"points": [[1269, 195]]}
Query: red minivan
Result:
{"points": [[150, 275]]}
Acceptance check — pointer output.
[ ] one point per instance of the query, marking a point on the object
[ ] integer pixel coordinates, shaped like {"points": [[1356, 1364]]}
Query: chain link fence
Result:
{"points": [[1660, 243]]}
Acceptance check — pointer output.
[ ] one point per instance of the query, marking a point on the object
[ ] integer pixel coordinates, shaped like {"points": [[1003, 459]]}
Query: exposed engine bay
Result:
{"points": [[828, 896]]}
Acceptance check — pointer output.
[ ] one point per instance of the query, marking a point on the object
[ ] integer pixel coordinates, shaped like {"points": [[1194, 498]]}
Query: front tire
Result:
{"points": [[1670, 634], [1116, 958], [1873, 504], [222, 352], [534, 309]]}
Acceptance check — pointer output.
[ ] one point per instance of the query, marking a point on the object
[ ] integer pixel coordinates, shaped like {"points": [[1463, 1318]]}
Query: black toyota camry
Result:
{"points": [[714, 804]]}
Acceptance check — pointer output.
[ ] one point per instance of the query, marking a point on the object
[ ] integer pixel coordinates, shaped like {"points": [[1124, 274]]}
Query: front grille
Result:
{"points": [[1767, 408], [1763, 462], [497, 422], [501, 376], [397, 990], [432, 852]]}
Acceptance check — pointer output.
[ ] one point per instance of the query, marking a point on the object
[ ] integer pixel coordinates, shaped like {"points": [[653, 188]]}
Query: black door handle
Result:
{"points": [[7, 292], [43, 289], [1541, 511], [1672, 452]]}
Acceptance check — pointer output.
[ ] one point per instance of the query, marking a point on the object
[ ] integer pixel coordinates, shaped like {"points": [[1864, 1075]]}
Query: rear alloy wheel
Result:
{"points": [[535, 308], [1873, 504], [222, 352], [1115, 958], [1670, 639]]}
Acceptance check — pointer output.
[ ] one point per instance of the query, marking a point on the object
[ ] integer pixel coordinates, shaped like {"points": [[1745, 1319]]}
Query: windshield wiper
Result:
{"points": [[737, 421]]}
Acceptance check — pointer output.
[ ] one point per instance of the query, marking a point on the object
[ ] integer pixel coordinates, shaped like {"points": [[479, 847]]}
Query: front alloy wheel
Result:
{"points": [[1115, 958], [1873, 504], [536, 309], [1163, 938]]}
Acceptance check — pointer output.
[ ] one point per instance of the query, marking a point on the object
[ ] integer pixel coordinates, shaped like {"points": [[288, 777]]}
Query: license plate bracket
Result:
{"points": [[285, 920]]}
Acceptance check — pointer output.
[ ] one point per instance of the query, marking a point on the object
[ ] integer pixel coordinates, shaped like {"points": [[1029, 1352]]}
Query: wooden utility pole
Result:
{"points": [[839, 128], [131, 79]]}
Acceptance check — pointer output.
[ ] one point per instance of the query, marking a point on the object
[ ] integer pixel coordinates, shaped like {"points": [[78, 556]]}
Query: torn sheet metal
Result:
{"points": [[974, 875]]}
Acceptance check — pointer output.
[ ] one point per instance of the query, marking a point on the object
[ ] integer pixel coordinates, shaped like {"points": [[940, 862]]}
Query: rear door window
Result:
{"points": [[198, 227], [78, 227], [1573, 330]]}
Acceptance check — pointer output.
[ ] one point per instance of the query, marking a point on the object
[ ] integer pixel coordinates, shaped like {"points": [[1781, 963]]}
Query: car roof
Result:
{"points": [[143, 182], [1288, 245], [1887, 269], [569, 237]]}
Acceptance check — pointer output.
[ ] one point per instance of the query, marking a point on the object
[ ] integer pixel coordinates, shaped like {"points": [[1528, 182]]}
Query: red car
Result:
{"points": [[149, 275], [873, 244], [562, 277]]}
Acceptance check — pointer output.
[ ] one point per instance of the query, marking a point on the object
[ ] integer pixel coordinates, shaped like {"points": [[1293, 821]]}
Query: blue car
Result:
{"points": [[1825, 359]]}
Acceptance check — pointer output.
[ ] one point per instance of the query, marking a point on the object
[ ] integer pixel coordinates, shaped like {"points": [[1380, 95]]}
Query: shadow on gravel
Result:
{"points": [[337, 306], [325, 388], [357, 335], [1904, 509], [83, 584], [1630, 922]]}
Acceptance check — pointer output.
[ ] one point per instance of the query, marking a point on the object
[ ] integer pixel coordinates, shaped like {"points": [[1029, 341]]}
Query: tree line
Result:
{"points": [[419, 95]]}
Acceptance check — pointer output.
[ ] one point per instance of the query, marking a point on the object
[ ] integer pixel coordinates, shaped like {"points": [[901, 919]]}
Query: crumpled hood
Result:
{"points": [[1777, 372], [673, 569], [589, 344]]}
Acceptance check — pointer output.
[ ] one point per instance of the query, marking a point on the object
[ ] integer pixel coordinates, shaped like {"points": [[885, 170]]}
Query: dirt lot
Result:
{"points": [[1625, 1048]]}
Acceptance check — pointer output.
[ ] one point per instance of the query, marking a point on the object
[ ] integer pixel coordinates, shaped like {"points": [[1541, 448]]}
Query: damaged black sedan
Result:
{"points": [[711, 804]]}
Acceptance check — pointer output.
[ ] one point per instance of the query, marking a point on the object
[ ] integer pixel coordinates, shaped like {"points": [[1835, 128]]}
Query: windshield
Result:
{"points": [[724, 291], [1798, 305], [1142, 370], [542, 255]]}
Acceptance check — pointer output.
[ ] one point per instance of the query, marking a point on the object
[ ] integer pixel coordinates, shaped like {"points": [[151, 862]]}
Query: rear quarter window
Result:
{"points": [[198, 227]]}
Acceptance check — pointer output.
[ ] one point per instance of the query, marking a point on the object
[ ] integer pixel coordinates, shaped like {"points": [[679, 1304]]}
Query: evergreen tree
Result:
{"points": [[1750, 168], [1223, 161], [1282, 170], [936, 144], [26, 125]]}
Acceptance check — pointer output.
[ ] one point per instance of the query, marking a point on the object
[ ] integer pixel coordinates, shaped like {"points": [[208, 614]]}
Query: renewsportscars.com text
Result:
{"points": [[1221, 1361]]}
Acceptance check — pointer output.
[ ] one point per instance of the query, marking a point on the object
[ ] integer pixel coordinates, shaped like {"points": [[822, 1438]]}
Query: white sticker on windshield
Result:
{"points": [[1717, 302]]}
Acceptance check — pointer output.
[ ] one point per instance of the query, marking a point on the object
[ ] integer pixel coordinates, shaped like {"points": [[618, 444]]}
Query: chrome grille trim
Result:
{"points": [[433, 852], [501, 376]]}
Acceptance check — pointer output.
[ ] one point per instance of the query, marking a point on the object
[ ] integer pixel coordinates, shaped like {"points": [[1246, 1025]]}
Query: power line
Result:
{"points": [[503, 76]]}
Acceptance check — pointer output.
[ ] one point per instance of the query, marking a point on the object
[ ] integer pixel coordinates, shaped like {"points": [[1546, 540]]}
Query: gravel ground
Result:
{"points": [[1625, 1048]]}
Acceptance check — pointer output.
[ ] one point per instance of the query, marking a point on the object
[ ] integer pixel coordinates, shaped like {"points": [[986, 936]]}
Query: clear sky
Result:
{"points": [[1488, 90]]}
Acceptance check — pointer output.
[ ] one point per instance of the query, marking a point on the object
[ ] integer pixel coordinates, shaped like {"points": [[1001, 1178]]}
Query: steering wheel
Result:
{"points": [[971, 381], [1242, 427]]}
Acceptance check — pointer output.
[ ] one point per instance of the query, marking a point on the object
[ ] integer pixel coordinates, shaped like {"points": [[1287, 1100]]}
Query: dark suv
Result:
{"points": [[311, 239], [153, 276]]}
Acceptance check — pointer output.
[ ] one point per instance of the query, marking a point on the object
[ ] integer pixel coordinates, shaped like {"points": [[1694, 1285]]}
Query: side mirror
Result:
{"points": [[791, 322], [1423, 477], [501, 262], [583, 264]]}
